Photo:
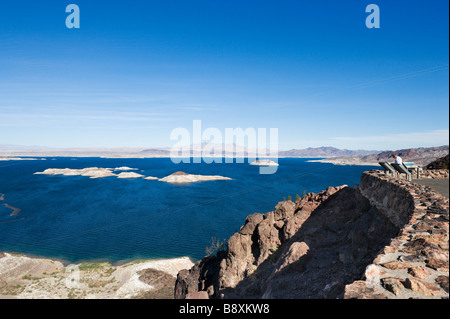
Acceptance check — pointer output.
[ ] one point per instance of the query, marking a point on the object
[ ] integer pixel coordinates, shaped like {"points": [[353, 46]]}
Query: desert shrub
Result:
{"points": [[216, 246]]}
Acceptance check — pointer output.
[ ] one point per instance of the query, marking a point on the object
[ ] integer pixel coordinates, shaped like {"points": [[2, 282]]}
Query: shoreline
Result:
{"points": [[66, 263], [25, 276], [329, 160], [335, 162]]}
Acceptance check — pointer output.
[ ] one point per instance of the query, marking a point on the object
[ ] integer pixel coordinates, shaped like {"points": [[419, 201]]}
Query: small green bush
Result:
{"points": [[215, 247]]}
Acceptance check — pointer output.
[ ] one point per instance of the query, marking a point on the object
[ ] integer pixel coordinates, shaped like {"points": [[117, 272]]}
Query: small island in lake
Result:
{"points": [[92, 172], [182, 177], [264, 162], [129, 175]]}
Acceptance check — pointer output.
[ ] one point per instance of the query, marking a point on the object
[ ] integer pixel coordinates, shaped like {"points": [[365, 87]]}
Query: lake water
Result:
{"points": [[76, 218]]}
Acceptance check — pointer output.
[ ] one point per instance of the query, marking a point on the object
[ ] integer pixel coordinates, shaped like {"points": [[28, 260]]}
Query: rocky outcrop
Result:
{"points": [[288, 252], [343, 242], [257, 240], [440, 163]]}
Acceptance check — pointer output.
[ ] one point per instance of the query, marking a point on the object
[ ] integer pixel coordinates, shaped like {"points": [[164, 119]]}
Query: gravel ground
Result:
{"points": [[24, 277]]}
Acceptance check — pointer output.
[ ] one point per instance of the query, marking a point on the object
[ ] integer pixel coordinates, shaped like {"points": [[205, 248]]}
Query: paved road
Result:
{"points": [[439, 185]]}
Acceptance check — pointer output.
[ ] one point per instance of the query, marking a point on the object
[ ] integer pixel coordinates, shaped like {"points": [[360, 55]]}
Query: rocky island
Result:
{"points": [[129, 175], [92, 172], [182, 177], [264, 162]]}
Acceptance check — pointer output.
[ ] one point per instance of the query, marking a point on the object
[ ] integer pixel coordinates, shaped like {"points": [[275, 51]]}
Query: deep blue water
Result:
{"points": [[76, 218]]}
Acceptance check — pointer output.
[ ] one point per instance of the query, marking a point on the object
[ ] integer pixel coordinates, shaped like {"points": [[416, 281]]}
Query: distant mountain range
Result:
{"points": [[421, 156], [227, 150]]}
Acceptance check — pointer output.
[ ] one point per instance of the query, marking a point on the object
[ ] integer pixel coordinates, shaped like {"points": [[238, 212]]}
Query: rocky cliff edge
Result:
{"points": [[384, 238]]}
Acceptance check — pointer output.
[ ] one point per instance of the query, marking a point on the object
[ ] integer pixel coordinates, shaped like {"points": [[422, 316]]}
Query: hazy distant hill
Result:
{"points": [[421, 156], [424, 155], [325, 151]]}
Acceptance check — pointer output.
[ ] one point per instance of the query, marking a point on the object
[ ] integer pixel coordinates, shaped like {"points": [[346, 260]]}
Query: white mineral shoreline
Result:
{"points": [[340, 162], [21, 159], [30, 277]]}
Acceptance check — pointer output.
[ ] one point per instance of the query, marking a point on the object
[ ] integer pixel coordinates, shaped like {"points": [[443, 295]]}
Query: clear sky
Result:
{"points": [[135, 70]]}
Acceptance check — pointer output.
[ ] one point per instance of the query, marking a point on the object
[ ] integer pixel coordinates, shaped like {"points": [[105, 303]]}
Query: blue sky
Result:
{"points": [[135, 70]]}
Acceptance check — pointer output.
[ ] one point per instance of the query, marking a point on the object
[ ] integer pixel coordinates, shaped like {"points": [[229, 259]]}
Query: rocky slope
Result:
{"points": [[318, 247], [308, 249]]}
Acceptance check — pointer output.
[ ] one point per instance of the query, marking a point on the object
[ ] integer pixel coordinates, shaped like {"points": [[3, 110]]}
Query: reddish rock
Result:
{"points": [[438, 238], [279, 224], [419, 272], [197, 295], [394, 265], [443, 282], [293, 224], [267, 238], [250, 223], [373, 273], [438, 264], [393, 285], [435, 253], [187, 282], [239, 258], [360, 290], [284, 210], [421, 287], [393, 246]]}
